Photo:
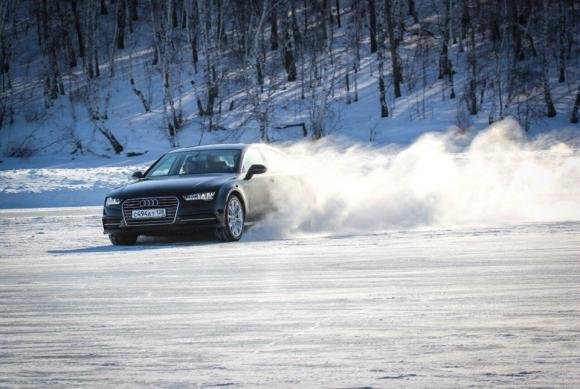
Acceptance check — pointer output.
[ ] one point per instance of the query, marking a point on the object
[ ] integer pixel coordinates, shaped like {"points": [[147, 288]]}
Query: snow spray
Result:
{"points": [[441, 180]]}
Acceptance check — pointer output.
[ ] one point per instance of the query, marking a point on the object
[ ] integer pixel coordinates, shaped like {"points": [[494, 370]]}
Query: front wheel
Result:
{"points": [[123, 239], [233, 222]]}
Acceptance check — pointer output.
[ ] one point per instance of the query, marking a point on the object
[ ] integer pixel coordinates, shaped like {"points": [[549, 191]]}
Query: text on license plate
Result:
{"points": [[147, 213]]}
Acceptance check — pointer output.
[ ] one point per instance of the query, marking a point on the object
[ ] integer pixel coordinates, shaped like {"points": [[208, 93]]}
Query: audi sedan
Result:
{"points": [[219, 187]]}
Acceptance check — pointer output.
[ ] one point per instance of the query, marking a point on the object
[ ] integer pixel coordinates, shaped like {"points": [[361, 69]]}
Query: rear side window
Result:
{"points": [[277, 161]]}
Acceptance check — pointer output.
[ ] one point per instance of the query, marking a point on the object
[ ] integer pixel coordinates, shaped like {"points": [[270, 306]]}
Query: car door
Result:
{"points": [[281, 182], [255, 188]]}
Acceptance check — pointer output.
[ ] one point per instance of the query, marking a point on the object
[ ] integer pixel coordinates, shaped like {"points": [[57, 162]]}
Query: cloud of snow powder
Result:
{"points": [[500, 177]]}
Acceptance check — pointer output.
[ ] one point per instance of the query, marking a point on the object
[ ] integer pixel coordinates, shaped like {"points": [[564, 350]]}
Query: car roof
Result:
{"points": [[237, 146]]}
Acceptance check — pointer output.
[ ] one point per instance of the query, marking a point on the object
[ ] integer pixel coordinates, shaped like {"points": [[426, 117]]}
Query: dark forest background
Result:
{"points": [[493, 57]]}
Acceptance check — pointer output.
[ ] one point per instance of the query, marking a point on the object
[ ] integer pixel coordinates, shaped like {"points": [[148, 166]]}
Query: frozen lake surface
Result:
{"points": [[445, 308]]}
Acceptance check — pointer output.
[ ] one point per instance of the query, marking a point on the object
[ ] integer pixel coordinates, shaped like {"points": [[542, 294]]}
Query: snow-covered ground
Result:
{"points": [[424, 308]]}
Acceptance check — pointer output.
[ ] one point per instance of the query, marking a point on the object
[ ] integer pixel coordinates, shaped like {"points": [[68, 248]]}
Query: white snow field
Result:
{"points": [[451, 262], [423, 308]]}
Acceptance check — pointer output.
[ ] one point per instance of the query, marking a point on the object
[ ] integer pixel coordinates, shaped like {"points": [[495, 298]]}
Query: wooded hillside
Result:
{"points": [[197, 60]]}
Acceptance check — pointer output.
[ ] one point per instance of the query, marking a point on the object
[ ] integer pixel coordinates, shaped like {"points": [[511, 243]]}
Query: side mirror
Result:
{"points": [[255, 169], [137, 175]]}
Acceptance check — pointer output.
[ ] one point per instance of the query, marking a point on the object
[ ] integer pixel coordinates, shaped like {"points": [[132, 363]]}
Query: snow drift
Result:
{"points": [[442, 179]]}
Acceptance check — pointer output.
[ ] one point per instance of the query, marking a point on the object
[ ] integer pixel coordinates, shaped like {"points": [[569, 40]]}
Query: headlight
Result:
{"points": [[112, 201], [205, 196]]}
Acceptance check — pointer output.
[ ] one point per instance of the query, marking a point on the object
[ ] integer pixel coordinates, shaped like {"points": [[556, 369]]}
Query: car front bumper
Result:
{"points": [[187, 218]]}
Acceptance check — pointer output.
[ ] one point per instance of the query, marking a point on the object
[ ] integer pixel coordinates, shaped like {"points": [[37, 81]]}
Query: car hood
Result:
{"points": [[169, 186]]}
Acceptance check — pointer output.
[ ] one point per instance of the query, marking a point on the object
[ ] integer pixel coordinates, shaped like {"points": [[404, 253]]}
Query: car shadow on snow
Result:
{"points": [[146, 243]]}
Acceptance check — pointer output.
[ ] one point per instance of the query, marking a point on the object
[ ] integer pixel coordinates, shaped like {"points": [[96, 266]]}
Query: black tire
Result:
{"points": [[123, 239], [229, 233]]}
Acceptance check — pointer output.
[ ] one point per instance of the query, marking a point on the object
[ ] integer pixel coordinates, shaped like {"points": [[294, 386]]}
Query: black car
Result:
{"points": [[219, 187]]}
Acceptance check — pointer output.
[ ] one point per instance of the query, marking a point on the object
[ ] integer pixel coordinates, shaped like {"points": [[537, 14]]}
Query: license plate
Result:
{"points": [[148, 213]]}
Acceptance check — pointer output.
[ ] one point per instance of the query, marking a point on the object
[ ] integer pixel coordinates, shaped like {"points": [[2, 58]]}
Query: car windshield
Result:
{"points": [[196, 162]]}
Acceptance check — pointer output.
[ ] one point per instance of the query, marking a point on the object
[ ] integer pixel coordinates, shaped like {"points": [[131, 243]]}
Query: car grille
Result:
{"points": [[169, 203]]}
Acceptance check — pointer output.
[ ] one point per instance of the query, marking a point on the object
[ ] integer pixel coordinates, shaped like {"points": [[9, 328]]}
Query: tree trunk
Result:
{"points": [[574, 115], [381, 50], [146, 103], [347, 88], [295, 28], [133, 10], [338, 24], [117, 147], [444, 56], [287, 45], [72, 56], [274, 28], [382, 92], [516, 31], [162, 31], [78, 28], [413, 11], [120, 28], [355, 75], [562, 42], [472, 66], [193, 33], [174, 18], [264, 132], [305, 13], [96, 57], [393, 45], [550, 109], [89, 29], [373, 25], [104, 10]]}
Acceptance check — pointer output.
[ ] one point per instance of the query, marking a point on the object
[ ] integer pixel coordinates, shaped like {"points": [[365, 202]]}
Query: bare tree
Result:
{"points": [[274, 26], [355, 36], [104, 9], [192, 29], [413, 10], [161, 16], [287, 40], [120, 25], [574, 115], [550, 109], [389, 24], [471, 87], [240, 55], [380, 56], [562, 41], [372, 25], [444, 62], [7, 10]]}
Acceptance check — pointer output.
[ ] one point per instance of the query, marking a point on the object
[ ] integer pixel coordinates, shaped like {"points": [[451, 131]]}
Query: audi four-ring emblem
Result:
{"points": [[149, 203]]}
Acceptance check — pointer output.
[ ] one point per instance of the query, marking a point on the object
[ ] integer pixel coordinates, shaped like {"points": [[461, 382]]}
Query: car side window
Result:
{"points": [[164, 166], [252, 157]]}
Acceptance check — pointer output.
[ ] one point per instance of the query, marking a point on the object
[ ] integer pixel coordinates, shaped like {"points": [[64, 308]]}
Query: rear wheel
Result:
{"points": [[123, 239], [233, 228]]}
